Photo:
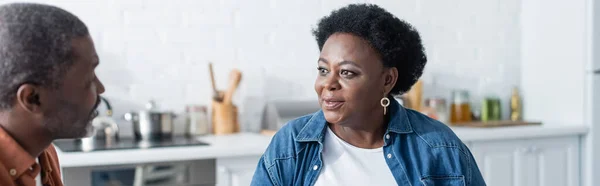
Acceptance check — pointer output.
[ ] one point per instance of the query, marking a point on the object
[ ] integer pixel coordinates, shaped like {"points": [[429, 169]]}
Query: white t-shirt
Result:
{"points": [[38, 178], [345, 164]]}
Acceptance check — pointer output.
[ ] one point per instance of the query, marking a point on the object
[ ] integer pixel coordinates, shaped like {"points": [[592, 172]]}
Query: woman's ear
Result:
{"points": [[28, 98], [390, 79]]}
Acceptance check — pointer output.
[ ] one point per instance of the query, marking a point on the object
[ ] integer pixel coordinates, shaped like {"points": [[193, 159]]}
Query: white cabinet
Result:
{"points": [[529, 162], [236, 171], [512, 156], [592, 148]]}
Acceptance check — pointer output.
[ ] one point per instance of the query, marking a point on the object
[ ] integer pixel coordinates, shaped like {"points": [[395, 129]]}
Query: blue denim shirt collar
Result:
{"points": [[314, 130]]}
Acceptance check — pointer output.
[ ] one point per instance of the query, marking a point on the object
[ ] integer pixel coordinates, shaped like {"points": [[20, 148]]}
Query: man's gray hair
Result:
{"points": [[35, 46]]}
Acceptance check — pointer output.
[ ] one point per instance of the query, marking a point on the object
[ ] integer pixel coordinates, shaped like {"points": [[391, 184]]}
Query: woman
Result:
{"points": [[362, 136]]}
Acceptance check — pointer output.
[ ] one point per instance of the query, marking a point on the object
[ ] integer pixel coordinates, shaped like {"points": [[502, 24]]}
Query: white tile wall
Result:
{"points": [[560, 43], [159, 49]]}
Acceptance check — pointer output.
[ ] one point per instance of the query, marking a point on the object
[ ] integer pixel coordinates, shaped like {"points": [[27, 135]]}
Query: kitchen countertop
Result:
{"points": [[234, 145], [472, 134], [253, 144]]}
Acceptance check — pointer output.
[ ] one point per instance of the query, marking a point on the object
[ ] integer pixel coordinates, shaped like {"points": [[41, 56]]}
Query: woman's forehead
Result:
{"points": [[347, 47]]}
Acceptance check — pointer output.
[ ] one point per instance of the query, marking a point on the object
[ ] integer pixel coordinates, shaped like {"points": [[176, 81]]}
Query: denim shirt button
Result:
{"points": [[387, 136], [389, 156], [315, 167]]}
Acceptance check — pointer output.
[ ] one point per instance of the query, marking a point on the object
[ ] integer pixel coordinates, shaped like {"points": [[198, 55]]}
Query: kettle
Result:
{"points": [[104, 129]]}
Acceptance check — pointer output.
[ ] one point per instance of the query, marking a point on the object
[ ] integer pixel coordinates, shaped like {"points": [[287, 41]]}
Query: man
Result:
{"points": [[48, 89]]}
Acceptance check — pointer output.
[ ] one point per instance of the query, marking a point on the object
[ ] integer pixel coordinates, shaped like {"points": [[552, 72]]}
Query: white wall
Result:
{"points": [[592, 142], [153, 49], [556, 59], [554, 55]]}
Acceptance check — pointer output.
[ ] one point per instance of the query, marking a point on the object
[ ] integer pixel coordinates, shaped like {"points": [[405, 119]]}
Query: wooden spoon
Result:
{"points": [[216, 95], [234, 80]]}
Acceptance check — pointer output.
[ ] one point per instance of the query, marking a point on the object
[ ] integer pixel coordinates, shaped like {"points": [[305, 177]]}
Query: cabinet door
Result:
{"points": [[592, 162], [237, 171], [555, 162], [497, 161], [530, 162]]}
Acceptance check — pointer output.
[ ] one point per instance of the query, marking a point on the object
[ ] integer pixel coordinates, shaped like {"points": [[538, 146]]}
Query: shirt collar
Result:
{"points": [[315, 127], [13, 156]]}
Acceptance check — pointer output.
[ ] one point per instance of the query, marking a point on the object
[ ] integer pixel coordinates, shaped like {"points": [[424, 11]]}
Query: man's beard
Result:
{"points": [[67, 122]]}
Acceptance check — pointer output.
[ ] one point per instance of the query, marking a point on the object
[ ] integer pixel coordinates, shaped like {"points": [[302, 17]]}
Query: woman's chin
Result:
{"points": [[333, 117]]}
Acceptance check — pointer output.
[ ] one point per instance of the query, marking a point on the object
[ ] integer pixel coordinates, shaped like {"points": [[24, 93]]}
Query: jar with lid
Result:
{"points": [[460, 109], [196, 121], [436, 109]]}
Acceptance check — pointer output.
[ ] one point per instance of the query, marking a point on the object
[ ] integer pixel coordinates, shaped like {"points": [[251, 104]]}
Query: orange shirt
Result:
{"points": [[18, 168]]}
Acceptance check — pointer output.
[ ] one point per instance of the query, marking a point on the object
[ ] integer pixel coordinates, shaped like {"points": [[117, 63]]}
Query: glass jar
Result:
{"points": [[460, 109], [196, 121], [436, 109], [491, 109]]}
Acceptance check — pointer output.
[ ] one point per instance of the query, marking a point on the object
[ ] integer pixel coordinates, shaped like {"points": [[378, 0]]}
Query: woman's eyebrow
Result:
{"points": [[341, 63]]}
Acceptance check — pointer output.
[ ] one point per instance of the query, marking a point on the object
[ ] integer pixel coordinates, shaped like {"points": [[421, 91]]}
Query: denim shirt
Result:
{"points": [[417, 149]]}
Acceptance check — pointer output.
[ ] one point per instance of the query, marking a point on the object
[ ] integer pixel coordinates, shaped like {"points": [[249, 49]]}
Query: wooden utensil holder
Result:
{"points": [[224, 118]]}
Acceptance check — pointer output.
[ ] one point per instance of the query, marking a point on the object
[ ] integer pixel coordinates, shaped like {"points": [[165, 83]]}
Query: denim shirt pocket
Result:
{"points": [[443, 181]]}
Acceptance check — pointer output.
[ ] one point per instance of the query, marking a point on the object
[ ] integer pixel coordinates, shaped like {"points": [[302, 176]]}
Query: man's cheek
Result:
{"points": [[90, 102]]}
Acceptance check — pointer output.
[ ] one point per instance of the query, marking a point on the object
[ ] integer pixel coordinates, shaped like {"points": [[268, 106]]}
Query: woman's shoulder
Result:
{"points": [[444, 154], [286, 142], [296, 125], [434, 132]]}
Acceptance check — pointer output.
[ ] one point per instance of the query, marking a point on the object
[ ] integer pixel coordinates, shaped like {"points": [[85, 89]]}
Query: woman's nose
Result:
{"points": [[332, 83]]}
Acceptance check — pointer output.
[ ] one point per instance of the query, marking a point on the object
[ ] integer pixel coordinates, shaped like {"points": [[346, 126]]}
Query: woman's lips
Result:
{"points": [[332, 104]]}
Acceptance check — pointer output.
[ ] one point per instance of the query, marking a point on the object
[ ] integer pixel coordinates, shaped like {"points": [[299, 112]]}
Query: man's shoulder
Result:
{"points": [[51, 156], [51, 150], [5, 178]]}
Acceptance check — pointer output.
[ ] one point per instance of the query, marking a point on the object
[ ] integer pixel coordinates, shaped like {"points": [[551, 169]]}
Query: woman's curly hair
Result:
{"points": [[398, 43]]}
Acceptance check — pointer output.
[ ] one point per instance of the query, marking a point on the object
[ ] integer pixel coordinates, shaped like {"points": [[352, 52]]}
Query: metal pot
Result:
{"points": [[151, 124]]}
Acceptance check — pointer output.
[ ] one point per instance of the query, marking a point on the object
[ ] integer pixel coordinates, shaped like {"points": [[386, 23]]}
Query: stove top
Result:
{"points": [[125, 143]]}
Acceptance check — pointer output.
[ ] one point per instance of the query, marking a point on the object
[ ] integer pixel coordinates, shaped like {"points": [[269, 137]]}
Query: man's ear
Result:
{"points": [[390, 79], [28, 98]]}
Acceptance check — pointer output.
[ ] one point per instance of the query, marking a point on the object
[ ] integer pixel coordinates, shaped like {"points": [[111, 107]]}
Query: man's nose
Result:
{"points": [[99, 86]]}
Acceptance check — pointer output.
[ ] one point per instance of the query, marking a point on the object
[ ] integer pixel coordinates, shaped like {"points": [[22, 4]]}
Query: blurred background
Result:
{"points": [[523, 68]]}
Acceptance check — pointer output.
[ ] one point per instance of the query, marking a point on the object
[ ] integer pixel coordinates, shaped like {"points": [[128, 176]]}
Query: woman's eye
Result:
{"points": [[322, 70], [347, 73]]}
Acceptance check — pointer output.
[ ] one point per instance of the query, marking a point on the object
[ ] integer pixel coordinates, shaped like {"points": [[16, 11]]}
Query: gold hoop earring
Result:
{"points": [[385, 102]]}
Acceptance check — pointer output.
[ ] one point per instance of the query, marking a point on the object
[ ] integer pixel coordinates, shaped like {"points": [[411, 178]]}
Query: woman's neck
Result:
{"points": [[362, 133]]}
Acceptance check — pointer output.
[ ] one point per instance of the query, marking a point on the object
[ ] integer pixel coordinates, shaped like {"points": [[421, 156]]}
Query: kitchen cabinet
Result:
{"points": [[507, 156], [545, 155], [592, 143], [236, 171], [529, 162], [226, 160], [194, 172]]}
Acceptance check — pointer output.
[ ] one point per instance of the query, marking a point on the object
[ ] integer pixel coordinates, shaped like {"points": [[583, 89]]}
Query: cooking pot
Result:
{"points": [[151, 124]]}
